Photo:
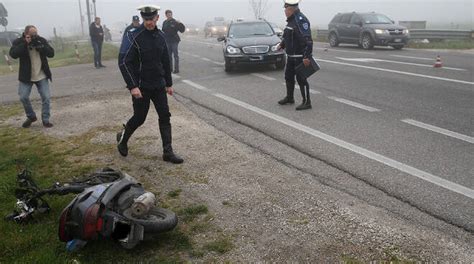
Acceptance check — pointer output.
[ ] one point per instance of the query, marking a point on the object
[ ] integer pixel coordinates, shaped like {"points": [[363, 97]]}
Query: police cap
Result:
{"points": [[291, 3], [148, 11]]}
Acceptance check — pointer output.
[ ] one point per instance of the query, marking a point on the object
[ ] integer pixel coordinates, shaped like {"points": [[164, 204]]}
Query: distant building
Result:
{"points": [[413, 24]]}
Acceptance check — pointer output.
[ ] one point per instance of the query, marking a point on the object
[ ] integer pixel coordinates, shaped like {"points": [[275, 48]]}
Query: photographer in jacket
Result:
{"points": [[33, 51]]}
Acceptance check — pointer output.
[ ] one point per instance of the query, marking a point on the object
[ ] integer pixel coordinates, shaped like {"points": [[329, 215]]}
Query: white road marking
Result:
{"points": [[196, 56], [411, 57], [268, 78], [218, 63], [197, 86], [397, 62], [206, 59], [398, 72], [356, 149], [310, 90], [354, 104], [439, 130], [347, 51]]}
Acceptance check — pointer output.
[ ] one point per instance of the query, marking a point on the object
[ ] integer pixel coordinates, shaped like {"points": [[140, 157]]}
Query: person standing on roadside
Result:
{"points": [[145, 66], [33, 52], [96, 32], [298, 44], [171, 27]]}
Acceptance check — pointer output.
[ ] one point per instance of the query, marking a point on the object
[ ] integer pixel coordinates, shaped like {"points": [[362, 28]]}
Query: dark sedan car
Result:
{"points": [[366, 30], [252, 42]]}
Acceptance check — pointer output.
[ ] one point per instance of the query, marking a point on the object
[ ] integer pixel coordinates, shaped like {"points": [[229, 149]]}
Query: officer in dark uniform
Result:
{"points": [[135, 24], [298, 43], [145, 67]]}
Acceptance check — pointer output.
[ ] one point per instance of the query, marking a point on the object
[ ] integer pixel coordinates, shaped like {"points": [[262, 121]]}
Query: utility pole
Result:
{"points": [[95, 10], [81, 17], [88, 13]]}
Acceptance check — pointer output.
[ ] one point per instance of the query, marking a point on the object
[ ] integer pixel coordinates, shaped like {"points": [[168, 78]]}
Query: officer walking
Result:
{"points": [[298, 43], [145, 66], [171, 27], [135, 24]]}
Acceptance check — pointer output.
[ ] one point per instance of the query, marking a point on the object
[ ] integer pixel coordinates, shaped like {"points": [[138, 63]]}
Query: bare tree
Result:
{"points": [[259, 8]]}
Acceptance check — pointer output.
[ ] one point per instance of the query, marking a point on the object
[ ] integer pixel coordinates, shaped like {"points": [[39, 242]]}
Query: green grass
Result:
{"points": [[65, 55], [220, 245], [53, 160]]}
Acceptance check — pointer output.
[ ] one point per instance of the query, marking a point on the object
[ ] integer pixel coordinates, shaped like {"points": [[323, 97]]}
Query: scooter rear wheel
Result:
{"points": [[158, 220]]}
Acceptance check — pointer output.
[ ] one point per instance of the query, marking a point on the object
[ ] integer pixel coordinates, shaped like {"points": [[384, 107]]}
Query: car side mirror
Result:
{"points": [[221, 38], [280, 34]]}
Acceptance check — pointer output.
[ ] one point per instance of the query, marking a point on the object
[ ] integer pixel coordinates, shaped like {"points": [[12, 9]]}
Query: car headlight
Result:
{"points": [[225, 28], [214, 29], [275, 48], [380, 31], [232, 50], [406, 31]]}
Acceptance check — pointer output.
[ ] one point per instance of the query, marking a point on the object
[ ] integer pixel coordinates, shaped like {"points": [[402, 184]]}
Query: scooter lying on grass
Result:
{"points": [[109, 204]]}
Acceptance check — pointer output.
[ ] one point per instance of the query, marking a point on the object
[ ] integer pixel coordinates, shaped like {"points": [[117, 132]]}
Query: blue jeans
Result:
{"points": [[24, 91], [173, 52], [97, 46]]}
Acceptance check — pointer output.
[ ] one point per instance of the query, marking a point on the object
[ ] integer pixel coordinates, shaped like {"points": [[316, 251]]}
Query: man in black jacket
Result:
{"points": [[145, 67], [298, 43], [171, 27], [97, 38], [33, 51]]}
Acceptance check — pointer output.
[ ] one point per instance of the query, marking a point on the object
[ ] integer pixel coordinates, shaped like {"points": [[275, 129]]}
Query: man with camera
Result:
{"points": [[33, 51]]}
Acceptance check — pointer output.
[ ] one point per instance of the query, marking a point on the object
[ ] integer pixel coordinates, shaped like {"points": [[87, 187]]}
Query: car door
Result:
{"points": [[355, 28], [344, 27]]}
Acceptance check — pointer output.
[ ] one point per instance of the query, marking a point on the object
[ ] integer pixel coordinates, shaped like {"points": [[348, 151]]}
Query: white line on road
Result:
{"points": [[397, 62], [439, 130], [354, 104], [218, 63], [197, 86], [411, 57], [206, 59], [268, 78], [196, 56], [348, 51], [356, 149], [398, 72], [310, 90]]}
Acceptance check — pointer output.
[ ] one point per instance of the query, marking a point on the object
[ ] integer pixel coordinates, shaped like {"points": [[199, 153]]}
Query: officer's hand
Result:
{"points": [[136, 93], [169, 90], [306, 62]]}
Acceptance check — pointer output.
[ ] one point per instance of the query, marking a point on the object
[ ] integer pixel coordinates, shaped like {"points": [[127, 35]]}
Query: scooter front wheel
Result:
{"points": [[156, 221]]}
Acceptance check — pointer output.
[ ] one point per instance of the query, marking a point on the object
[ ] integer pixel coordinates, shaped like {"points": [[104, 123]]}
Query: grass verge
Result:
{"points": [[65, 55], [54, 160]]}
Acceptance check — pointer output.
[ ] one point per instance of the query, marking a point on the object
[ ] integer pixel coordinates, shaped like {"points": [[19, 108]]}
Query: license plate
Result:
{"points": [[398, 40]]}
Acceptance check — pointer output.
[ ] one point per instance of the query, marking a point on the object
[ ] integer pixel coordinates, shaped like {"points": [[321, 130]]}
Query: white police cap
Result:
{"points": [[148, 11], [291, 2]]}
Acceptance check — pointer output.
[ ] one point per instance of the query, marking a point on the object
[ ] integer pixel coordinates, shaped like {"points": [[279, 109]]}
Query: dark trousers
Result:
{"points": [[290, 74], [140, 111], [173, 53], [97, 46]]}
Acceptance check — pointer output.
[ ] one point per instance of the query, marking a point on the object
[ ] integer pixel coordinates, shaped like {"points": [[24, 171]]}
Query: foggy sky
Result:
{"points": [[64, 14]]}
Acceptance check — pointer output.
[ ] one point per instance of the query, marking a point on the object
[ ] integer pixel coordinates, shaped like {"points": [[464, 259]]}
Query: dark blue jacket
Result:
{"points": [[297, 38], [144, 60], [170, 28]]}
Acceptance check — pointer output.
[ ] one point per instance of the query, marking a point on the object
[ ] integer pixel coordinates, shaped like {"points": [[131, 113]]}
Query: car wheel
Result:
{"points": [[227, 67], [333, 41], [367, 42], [398, 47]]}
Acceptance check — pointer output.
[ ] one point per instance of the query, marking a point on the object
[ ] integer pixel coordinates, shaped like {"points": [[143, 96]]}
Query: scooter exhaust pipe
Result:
{"points": [[142, 204]]}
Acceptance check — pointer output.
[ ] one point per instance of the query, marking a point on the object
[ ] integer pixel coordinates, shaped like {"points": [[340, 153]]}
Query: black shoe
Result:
{"points": [[28, 122], [47, 124], [102, 66], [286, 100], [122, 146], [304, 106], [173, 158]]}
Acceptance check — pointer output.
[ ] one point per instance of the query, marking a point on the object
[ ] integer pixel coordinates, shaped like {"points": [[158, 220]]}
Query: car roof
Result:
{"points": [[249, 22]]}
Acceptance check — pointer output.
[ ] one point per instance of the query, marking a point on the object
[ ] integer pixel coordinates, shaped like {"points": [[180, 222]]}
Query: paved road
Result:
{"points": [[385, 117]]}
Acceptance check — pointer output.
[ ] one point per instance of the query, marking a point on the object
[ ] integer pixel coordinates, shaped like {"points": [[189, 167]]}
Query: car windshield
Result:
{"points": [[376, 19], [246, 30], [218, 23]]}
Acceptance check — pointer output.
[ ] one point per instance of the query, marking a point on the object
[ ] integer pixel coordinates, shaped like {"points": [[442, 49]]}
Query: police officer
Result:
{"points": [[298, 43], [145, 67], [135, 24], [171, 27]]}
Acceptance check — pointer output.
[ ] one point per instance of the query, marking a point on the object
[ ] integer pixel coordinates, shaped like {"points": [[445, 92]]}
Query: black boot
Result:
{"points": [[289, 99], [306, 104], [122, 140], [168, 154]]}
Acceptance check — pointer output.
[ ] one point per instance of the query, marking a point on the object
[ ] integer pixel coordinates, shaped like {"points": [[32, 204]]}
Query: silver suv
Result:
{"points": [[366, 30]]}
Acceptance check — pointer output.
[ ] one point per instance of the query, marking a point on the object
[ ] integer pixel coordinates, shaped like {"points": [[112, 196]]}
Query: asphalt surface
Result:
{"points": [[386, 117]]}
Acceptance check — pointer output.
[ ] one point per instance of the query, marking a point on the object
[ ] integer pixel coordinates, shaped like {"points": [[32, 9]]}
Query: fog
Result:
{"points": [[64, 14]]}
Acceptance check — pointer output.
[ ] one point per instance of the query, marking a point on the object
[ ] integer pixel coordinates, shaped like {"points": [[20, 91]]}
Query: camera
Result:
{"points": [[36, 43]]}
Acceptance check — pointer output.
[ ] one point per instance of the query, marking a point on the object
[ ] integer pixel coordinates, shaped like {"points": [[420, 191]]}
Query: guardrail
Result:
{"points": [[425, 34]]}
